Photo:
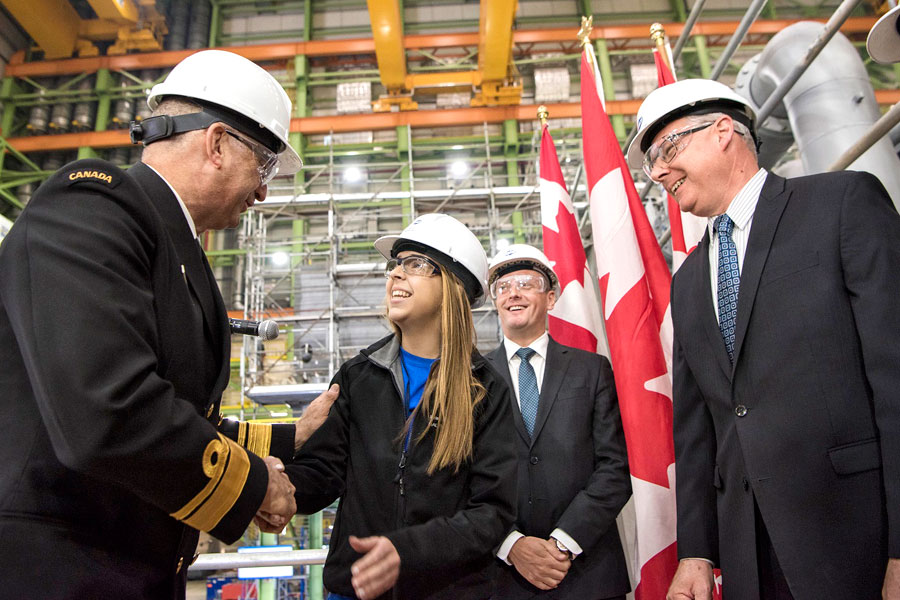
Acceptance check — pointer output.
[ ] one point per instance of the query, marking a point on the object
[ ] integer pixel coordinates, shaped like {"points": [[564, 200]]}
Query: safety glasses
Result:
{"points": [[266, 160], [523, 282], [668, 148], [413, 265]]}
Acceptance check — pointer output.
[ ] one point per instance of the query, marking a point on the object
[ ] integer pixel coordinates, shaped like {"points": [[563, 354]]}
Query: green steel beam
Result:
{"points": [[518, 229], [314, 583], [102, 86], [678, 10], [403, 149], [702, 56], [266, 587], [215, 23], [511, 150]]}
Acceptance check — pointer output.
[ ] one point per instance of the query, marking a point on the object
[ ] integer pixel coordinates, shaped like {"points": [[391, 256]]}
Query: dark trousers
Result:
{"points": [[772, 584]]}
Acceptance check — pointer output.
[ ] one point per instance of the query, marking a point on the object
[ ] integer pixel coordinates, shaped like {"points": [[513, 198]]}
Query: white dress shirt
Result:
{"points": [[741, 210], [538, 361]]}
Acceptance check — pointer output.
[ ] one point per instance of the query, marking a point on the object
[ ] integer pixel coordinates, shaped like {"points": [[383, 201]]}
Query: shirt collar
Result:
{"points": [[539, 346], [184, 209], [744, 203]]}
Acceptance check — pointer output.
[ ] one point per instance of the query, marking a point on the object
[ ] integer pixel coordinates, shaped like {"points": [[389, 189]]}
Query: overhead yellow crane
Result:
{"points": [[59, 31], [496, 80]]}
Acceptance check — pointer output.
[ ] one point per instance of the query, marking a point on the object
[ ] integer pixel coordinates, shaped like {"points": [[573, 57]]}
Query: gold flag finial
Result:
{"points": [[658, 35], [584, 34], [543, 115]]}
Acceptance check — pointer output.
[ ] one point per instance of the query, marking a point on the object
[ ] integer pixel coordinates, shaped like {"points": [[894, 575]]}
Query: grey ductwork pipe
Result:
{"points": [[829, 108]]}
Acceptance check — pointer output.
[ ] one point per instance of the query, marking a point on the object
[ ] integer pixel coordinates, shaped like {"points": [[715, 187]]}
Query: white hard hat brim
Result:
{"points": [[385, 244], [883, 43]]}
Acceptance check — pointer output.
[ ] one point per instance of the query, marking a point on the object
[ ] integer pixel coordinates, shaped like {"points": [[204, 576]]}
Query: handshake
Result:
{"points": [[279, 505]]}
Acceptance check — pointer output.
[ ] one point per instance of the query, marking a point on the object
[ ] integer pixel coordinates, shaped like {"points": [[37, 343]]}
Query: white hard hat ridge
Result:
{"points": [[456, 244], [229, 80], [883, 43], [664, 103], [524, 255]]}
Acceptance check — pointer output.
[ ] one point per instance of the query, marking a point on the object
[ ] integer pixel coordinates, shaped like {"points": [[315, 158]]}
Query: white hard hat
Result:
{"points": [[688, 96], [450, 243], [883, 42], [521, 256], [231, 81]]}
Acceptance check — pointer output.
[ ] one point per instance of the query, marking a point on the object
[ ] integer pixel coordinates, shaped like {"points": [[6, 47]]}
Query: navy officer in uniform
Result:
{"points": [[115, 346]]}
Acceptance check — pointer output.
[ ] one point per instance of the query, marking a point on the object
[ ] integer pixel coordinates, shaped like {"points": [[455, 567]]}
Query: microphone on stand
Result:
{"points": [[267, 330]]}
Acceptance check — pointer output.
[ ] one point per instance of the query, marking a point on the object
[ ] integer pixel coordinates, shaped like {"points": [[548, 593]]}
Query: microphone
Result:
{"points": [[267, 330]]}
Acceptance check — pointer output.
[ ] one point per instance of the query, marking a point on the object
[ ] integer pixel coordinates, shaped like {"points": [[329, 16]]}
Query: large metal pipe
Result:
{"points": [[688, 26], [828, 109]]}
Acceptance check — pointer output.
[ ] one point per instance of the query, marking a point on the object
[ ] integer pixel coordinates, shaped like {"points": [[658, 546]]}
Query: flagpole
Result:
{"points": [[658, 36], [543, 115]]}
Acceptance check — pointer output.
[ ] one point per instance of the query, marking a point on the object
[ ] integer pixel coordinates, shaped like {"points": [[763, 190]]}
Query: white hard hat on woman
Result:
{"points": [[230, 89], [450, 243]]}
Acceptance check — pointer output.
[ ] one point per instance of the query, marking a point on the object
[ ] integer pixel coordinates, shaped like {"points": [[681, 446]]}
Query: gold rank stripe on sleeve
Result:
{"points": [[259, 439], [242, 434], [227, 466]]}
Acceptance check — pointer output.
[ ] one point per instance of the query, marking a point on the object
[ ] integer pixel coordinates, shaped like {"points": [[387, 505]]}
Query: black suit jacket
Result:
{"points": [[573, 473], [806, 420], [115, 348]]}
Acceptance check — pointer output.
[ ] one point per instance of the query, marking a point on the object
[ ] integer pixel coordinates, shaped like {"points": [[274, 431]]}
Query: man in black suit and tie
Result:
{"points": [[786, 363], [115, 345], [573, 467]]}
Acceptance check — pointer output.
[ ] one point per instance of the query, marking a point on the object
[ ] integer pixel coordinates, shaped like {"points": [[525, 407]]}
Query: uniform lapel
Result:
{"points": [[555, 367], [196, 269], [707, 312], [772, 200], [501, 364]]}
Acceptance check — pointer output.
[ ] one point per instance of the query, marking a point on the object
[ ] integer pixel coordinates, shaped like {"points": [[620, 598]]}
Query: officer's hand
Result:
{"points": [[377, 571], [279, 505], [314, 415], [539, 561], [693, 581]]}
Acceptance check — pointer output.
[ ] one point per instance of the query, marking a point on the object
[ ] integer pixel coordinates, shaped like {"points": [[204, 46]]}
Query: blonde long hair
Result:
{"points": [[451, 391]]}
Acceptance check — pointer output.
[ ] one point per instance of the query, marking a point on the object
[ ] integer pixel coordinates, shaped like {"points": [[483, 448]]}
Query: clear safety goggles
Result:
{"points": [[668, 148], [266, 160], [412, 265], [523, 282]]}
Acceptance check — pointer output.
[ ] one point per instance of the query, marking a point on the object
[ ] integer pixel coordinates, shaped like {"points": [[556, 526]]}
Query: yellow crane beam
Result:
{"points": [[495, 38], [120, 11], [387, 32], [53, 24]]}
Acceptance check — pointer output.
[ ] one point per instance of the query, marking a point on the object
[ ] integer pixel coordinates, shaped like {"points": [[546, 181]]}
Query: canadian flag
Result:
{"points": [[575, 320], [686, 228], [634, 285]]}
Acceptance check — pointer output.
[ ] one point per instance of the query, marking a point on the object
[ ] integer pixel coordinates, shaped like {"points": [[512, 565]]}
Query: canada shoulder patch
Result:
{"points": [[89, 175]]}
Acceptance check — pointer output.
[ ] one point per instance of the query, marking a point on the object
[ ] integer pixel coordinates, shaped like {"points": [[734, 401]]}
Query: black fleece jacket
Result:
{"points": [[444, 525]]}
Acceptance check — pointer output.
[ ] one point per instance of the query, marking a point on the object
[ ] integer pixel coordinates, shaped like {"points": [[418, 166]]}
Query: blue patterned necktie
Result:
{"points": [[729, 281], [528, 389]]}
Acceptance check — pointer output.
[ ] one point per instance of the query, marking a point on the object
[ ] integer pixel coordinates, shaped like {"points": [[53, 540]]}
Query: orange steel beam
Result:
{"points": [[372, 121], [284, 51]]}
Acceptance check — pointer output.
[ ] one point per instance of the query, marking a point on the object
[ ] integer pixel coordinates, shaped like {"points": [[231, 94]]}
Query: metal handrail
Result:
{"points": [[233, 560]]}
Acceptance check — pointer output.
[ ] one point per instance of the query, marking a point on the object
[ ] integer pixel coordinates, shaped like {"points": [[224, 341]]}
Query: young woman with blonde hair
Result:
{"points": [[418, 446]]}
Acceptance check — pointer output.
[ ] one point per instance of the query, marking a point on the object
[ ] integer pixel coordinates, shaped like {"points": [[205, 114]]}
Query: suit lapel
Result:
{"points": [[501, 364], [196, 269], [772, 200], [707, 312], [555, 367]]}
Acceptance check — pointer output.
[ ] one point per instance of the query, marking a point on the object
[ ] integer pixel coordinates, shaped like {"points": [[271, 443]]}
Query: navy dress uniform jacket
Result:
{"points": [[114, 344], [573, 474], [807, 420]]}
